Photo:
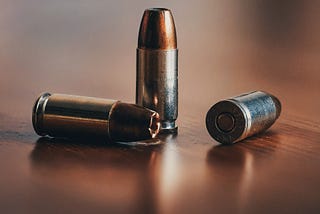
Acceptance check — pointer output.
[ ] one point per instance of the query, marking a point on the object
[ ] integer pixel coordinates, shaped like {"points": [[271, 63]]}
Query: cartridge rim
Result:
{"points": [[230, 133], [37, 113], [168, 127]]}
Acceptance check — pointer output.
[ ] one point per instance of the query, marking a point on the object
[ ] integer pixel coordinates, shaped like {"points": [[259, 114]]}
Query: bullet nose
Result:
{"points": [[225, 122], [157, 30]]}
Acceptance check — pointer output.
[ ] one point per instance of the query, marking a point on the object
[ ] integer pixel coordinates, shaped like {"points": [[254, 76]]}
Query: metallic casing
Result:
{"points": [[251, 113], [157, 84], [64, 115]]}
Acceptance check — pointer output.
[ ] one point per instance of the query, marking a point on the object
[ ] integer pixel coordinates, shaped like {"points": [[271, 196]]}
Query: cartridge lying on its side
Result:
{"points": [[237, 118], [157, 66], [60, 115]]}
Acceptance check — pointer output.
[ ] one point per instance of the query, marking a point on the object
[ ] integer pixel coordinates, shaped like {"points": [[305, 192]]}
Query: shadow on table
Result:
{"points": [[237, 155], [56, 151]]}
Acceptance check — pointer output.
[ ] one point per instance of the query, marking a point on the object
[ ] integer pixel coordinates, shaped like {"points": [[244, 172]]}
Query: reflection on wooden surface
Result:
{"points": [[225, 48], [121, 177]]}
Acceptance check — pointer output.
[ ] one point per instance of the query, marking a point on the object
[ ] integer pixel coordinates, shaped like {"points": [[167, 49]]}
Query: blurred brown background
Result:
{"points": [[225, 48], [88, 48]]}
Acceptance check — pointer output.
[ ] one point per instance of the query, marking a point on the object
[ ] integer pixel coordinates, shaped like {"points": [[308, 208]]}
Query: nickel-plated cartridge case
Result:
{"points": [[59, 115], [237, 118], [157, 66]]}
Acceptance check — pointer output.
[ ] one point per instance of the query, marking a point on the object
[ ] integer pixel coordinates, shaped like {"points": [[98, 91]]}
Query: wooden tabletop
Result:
{"points": [[225, 48]]}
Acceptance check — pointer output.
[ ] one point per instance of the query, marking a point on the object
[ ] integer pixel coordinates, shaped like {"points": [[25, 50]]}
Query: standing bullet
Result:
{"points": [[237, 118], [59, 115], [157, 66]]}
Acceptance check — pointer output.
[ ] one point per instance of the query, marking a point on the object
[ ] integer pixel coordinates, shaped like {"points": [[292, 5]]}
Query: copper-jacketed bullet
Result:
{"points": [[157, 66], [60, 115], [237, 118]]}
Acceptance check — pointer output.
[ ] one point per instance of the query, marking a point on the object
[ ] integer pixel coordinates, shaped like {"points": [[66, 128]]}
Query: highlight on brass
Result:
{"points": [[60, 115], [157, 66], [237, 118]]}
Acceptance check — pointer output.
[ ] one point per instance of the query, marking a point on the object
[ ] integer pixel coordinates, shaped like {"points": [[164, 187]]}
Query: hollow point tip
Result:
{"points": [[155, 125]]}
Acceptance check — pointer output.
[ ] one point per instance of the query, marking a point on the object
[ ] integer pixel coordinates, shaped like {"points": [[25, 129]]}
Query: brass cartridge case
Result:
{"points": [[60, 115], [157, 66], [237, 118]]}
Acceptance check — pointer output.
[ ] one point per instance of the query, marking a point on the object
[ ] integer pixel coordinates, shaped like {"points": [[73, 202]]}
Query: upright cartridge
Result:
{"points": [[157, 66]]}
